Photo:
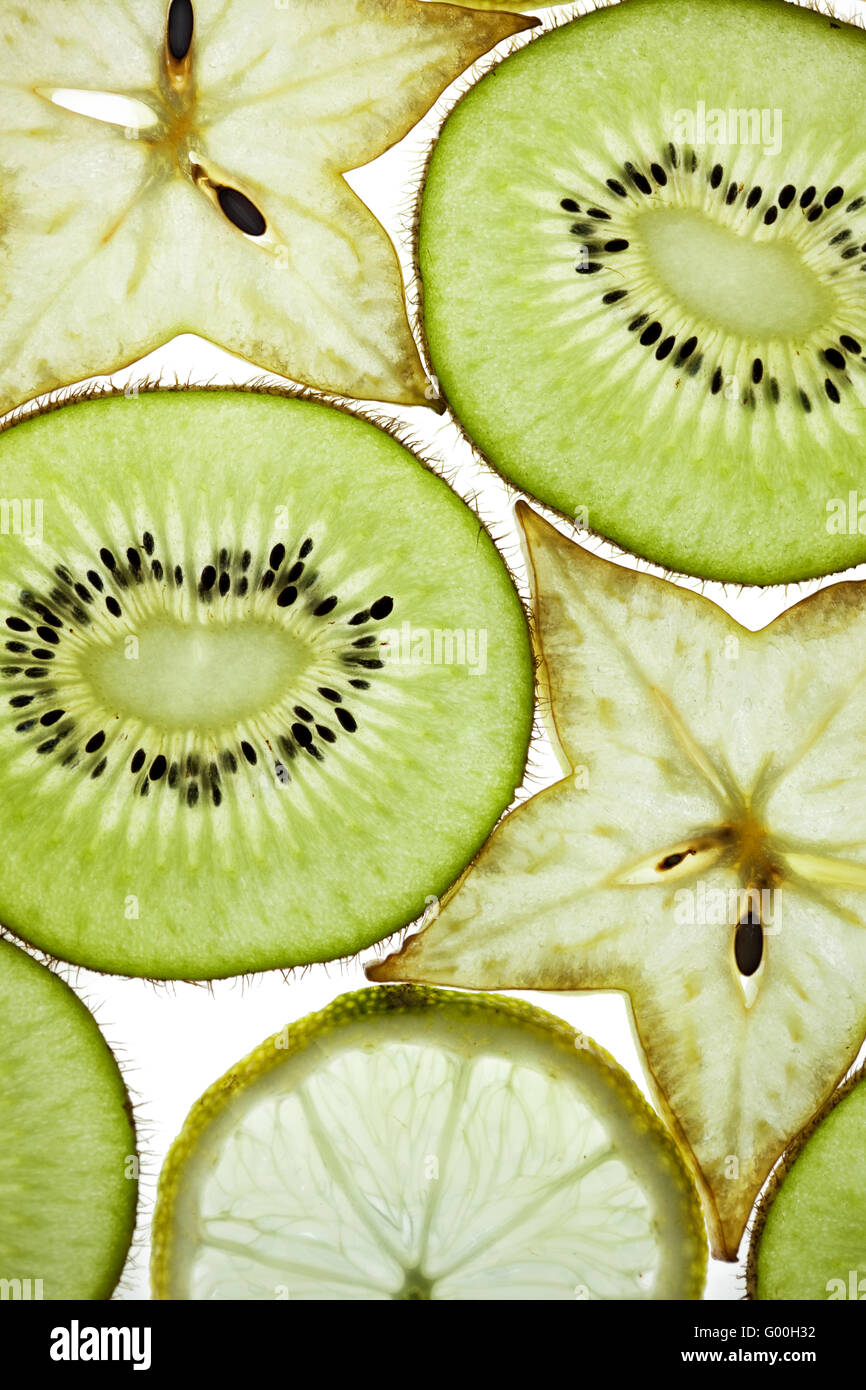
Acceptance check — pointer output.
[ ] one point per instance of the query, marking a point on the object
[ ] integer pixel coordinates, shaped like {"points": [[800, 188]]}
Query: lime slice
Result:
{"points": [[68, 1166], [809, 1240], [412, 1143]]}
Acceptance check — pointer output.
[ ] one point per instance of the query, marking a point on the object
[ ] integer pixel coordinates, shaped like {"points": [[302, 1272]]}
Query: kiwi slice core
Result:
{"points": [[642, 261], [265, 685]]}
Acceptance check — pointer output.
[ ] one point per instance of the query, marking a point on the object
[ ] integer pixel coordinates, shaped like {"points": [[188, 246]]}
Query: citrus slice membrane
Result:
{"points": [[67, 1158], [810, 1238], [411, 1143]]}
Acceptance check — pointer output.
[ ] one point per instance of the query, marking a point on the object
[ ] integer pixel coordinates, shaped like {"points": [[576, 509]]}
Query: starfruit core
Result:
{"points": [[179, 168]]}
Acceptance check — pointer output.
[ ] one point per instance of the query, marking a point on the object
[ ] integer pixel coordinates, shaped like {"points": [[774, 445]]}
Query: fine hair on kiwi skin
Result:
{"points": [[594, 229], [781, 1171], [241, 964]]}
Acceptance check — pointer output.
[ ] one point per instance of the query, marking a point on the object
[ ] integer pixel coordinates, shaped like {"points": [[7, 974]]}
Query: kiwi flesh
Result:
{"points": [[266, 683], [642, 246], [808, 1240], [68, 1162]]}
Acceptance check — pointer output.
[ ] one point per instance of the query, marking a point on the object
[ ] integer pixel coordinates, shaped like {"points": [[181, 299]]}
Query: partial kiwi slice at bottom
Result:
{"points": [[642, 243], [265, 683], [410, 1143], [809, 1239], [68, 1164]]}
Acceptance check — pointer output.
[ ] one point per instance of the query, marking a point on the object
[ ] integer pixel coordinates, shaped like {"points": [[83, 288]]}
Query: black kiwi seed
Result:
{"points": [[616, 187], [808, 196], [614, 296], [277, 556], [382, 607], [787, 195], [716, 175], [208, 579], [659, 174], [805, 402], [303, 714], [832, 391], [302, 735], [287, 596], [147, 542], [137, 761], [17, 625], [850, 344], [240, 211], [16, 647], [665, 348], [328, 694], [731, 195], [305, 549], [651, 334], [157, 768], [100, 768], [717, 381], [94, 744], [638, 322], [346, 719], [192, 794], [770, 216], [639, 180], [225, 584], [365, 641], [108, 559], [835, 358], [757, 371], [834, 196], [113, 606], [181, 22], [52, 717], [569, 205], [94, 579], [814, 213], [599, 214], [267, 579], [755, 196], [327, 606], [249, 753]]}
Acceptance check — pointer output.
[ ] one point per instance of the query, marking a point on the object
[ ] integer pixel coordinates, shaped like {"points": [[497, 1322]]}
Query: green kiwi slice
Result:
{"points": [[416, 1144], [642, 256], [809, 1239], [266, 683], [68, 1164]]}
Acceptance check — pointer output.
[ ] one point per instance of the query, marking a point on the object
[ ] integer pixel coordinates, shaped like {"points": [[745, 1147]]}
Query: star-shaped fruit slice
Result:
{"points": [[171, 168], [705, 853]]}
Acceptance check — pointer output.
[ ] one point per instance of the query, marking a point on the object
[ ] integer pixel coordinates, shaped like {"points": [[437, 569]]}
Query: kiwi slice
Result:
{"points": [[68, 1164], [417, 1144], [642, 244], [809, 1239], [266, 683]]}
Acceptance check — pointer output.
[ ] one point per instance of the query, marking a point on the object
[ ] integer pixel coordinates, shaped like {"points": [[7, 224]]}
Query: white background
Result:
{"points": [[174, 1040]]}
